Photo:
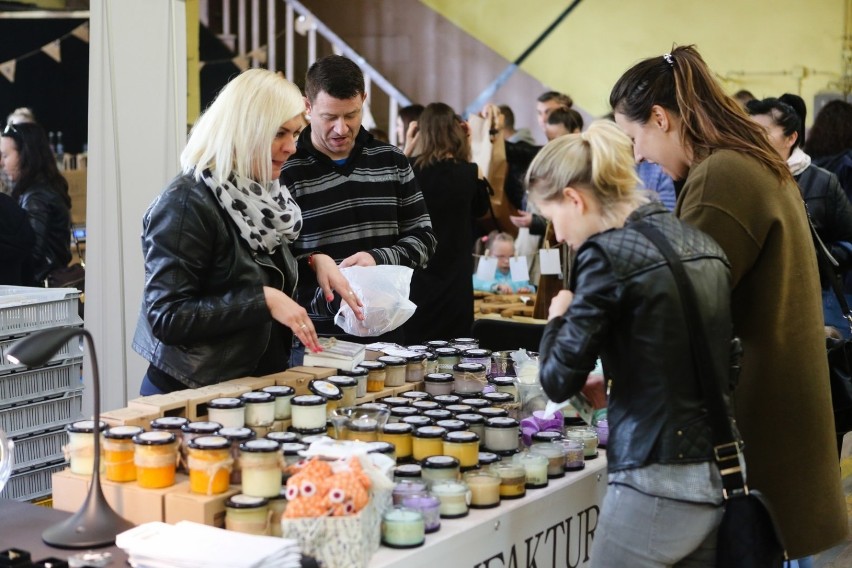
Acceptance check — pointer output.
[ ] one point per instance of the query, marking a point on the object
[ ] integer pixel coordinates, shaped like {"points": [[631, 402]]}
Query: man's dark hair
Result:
{"points": [[508, 116], [336, 75], [561, 98]]}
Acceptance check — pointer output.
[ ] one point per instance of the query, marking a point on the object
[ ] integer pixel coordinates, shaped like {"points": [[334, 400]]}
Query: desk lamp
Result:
{"points": [[95, 524]]}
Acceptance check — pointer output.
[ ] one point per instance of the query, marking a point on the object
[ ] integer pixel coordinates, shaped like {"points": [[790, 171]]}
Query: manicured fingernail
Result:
{"points": [[329, 298]]}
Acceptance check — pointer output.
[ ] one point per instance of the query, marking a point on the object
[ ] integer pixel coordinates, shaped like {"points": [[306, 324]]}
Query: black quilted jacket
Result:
{"points": [[627, 310]]}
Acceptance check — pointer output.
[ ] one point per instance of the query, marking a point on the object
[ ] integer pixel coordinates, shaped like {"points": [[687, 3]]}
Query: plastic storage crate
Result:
{"points": [[39, 449], [23, 309], [42, 416], [71, 350], [40, 383], [31, 484]]}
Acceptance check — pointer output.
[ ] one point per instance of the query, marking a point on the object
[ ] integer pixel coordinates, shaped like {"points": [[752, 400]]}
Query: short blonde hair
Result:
{"points": [[236, 131], [599, 161]]}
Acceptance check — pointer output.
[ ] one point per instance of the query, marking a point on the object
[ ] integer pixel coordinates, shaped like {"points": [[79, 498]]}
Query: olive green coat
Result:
{"points": [[783, 401]]}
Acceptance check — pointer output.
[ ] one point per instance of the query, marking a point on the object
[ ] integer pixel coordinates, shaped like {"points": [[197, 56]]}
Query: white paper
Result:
{"points": [[487, 268], [519, 269], [548, 261]]}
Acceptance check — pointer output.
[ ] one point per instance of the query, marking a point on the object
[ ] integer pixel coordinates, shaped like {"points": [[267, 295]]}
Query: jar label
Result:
{"points": [[262, 444], [235, 432], [441, 460], [257, 397], [325, 387], [211, 441], [124, 431], [227, 401], [170, 421], [242, 499]]}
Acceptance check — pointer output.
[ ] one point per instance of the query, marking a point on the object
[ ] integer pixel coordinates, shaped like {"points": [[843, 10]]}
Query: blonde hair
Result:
{"points": [[236, 131], [599, 161]]}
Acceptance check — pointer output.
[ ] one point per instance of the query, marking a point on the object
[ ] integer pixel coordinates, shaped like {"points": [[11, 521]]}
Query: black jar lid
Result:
{"points": [[459, 408], [408, 470], [431, 356], [498, 397], [372, 365], [437, 343], [240, 501], [122, 432], [440, 462], [476, 353], [502, 381], [487, 458], [461, 437], [257, 397], [306, 432], [169, 423], [359, 371], [425, 405], [261, 445], [403, 411], [417, 348], [226, 402], [501, 422], [85, 427], [469, 367], [418, 357], [325, 388], [394, 401], [546, 436], [413, 395], [391, 361], [343, 381], [465, 341], [362, 424], [447, 352], [237, 434], [417, 420], [379, 405], [471, 418], [438, 378], [293, 448], [157, 438], [398, 428], [476, 403], [205, 427], [381, 448], [279, 390], [210, 443], [308, 400], [429, 432], [452, 425], [446, 399], [493, 412], [283, 437], [438, 414]]}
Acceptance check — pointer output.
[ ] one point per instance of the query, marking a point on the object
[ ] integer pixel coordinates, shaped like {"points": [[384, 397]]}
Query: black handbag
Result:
{"points": [[748, 536], [839, 350]]}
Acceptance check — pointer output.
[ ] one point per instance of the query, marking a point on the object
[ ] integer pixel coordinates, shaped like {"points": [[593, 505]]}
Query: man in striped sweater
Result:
{"points": [[360, 203]]}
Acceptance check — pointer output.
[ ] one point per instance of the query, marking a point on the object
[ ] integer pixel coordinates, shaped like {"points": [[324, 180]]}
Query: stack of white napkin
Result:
{"points": [[187, 544]]}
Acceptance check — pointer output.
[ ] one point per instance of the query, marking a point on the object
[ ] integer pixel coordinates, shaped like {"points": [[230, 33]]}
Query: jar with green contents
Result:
{"points": [[247, 514], [448, 357]]}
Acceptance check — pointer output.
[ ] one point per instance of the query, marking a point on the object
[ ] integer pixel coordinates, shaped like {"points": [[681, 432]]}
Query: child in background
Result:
{"points": [[502, 247]]}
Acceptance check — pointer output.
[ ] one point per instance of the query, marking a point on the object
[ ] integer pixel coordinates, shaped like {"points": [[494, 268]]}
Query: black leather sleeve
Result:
{"points": [[839, 213], [180, 239], [571, 343]]}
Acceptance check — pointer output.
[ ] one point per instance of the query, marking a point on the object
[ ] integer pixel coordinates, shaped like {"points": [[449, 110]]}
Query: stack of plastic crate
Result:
{"points": [[36, 403]]}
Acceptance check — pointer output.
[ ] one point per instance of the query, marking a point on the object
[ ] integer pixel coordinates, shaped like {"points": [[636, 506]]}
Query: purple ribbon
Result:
{"points": [[536, 423]]}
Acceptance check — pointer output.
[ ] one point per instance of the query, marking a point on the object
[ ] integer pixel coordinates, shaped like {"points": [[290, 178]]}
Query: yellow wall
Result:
{"points": [[193, 79], [741, 40]]}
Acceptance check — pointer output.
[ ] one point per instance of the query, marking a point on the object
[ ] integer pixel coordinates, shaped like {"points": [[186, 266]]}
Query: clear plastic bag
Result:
{"points": [[383, 291]]}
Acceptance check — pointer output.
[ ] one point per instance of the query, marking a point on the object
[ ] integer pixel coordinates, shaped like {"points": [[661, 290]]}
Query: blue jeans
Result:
{"points": [[642, 531], [147, 388], [833, 313]]}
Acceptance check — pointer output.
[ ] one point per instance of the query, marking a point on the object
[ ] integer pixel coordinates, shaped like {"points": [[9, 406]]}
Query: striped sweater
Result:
{"points": [[370, 203]]}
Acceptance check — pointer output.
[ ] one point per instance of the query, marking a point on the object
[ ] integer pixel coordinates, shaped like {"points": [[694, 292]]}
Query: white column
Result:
{"points": [[289, 26], [271, 23], [255, 30], [242, 31], [312, 45], [137, 47], [393, 113]]}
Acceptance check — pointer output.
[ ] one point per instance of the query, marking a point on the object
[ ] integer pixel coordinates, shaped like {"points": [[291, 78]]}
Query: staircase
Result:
{"points": [[255, 31]]}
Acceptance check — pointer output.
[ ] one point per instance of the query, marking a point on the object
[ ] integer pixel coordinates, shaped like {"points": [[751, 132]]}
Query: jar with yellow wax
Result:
{"points": [[118, 453], [247, 514], [328, 390], [400, 435], [427, 441], [376, 374], [464, 446], [155, 456], [348, 387], [209, 462], [484, 488]]}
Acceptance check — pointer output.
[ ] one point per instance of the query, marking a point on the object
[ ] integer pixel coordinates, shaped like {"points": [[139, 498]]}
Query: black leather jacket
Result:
{"points": [[830, 212], [204, 318], [626, 309], [50, 218]]}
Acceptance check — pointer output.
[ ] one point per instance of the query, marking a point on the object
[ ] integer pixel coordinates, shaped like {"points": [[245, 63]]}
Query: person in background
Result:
{"points": [[361, 203], [42, 192], [509, 132], [17, 116], [549, 101], [654, 178], [406, 116], [829, 210], [16, 242], [455, 196], [743, 96], [502, 247], [623, 305], [739, 191], [829, 142], [219, 276], [562, 121]]}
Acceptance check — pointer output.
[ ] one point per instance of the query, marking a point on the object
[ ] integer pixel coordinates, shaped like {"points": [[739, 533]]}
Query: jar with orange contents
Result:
{"points": [[118, 453], [209, 462], [155, 457]]}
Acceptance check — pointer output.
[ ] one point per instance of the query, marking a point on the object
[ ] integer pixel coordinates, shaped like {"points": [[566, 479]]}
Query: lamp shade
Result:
{"points": [[38, 348]]}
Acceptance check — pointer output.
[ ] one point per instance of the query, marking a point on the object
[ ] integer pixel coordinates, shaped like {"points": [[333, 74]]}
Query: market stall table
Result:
{"points": [[553, 526]]}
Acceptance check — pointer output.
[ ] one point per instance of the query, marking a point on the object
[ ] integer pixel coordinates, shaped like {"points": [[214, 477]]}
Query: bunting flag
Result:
{"points": [[241, 61], [259, 54], [51, 49], [8, 70]]}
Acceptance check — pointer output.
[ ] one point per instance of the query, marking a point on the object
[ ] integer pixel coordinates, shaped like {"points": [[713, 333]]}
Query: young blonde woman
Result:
{"points": [[663, 504], [219, 274], [738, 190]]}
